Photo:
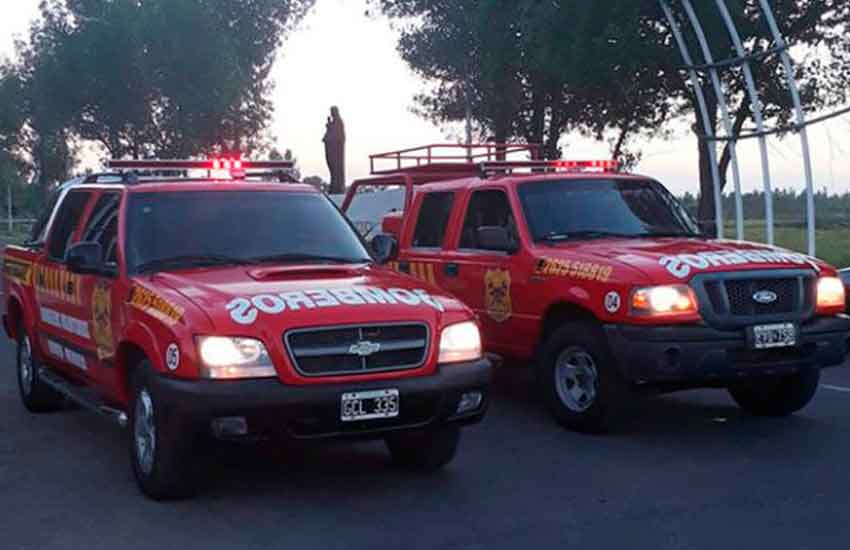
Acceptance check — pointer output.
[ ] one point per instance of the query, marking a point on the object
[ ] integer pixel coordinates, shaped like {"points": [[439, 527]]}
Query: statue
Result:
{"points": [[335, 151]]}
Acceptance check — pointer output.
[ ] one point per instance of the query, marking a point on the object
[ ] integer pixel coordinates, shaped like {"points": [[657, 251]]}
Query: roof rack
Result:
{"points": [[452, 158]]}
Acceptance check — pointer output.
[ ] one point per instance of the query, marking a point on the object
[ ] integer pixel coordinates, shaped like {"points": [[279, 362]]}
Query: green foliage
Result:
{"points": [[164, 78], [535, 70]]}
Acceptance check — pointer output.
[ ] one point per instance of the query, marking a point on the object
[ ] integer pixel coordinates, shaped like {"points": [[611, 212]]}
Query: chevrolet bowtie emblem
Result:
{"points": [[364, 348]]}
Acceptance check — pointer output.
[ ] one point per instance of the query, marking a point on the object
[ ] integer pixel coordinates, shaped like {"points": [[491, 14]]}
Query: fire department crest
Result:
{"points": [[497, 294], [101, 305]]}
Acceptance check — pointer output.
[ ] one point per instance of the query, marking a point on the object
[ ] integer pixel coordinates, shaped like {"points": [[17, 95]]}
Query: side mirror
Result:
{"points": [[495, 237], [385, 247], [85, 258]]}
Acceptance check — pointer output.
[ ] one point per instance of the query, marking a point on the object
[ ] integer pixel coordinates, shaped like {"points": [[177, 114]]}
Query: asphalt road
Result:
{"points": [[689, 471]]}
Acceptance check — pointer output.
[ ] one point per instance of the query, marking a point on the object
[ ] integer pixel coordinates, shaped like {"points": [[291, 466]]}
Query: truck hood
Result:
{"points": [[272, 299], [670, 260]]}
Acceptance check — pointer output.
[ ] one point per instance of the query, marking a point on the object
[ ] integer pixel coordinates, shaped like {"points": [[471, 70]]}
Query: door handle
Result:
{"points": [[451, 269]]}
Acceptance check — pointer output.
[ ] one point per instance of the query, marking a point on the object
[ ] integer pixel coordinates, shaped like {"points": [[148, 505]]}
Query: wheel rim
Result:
{"points": [[145, 431], [576, 379], [26, 367]]}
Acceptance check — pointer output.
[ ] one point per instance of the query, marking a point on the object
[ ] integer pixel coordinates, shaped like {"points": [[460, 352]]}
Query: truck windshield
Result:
{"points": [[172, 230], [560, 210]]}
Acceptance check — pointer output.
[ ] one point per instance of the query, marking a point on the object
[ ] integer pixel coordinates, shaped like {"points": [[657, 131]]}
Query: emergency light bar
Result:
{"points": [[209, 164], [507, 167]]}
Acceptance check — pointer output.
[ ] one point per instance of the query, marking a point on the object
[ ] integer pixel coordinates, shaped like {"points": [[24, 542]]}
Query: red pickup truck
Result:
{"points": [[603, 280], [234, 308]]}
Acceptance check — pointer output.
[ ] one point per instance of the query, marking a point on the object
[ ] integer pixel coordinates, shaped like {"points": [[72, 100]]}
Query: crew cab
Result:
{"points": [[603, 280], [237, 308]]}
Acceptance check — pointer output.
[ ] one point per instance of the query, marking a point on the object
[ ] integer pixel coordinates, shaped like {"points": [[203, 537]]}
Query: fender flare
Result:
{"points": [[140, 336], [16, 300]]}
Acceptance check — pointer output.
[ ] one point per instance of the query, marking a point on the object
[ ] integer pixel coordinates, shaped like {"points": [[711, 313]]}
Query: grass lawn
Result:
{"points": [[832, 243]]}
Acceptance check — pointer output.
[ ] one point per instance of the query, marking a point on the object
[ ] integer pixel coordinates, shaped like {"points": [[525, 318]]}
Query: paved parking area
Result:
{"points": [[689, 471]]}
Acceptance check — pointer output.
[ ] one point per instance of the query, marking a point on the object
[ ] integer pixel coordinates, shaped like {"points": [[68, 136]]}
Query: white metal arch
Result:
{"points": [[743, 60]]}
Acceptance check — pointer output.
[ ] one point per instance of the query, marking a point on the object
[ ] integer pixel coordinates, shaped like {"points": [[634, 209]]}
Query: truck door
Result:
{"points": [[422, 253], [101, 290], [487, 280], [63, 328]]}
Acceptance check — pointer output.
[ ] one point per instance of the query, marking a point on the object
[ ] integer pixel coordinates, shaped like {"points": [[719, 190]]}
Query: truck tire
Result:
{"points": [[159, 453], [426, 450], [777, 396], [36, 396], [579, 379]]}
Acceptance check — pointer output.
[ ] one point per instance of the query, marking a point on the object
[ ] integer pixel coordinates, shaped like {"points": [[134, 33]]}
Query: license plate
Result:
{"points": [[781, 335], [368, 405]]}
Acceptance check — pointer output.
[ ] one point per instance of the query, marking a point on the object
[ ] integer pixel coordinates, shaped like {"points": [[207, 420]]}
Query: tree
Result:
{"points": [[11, 124], [153, 78], [538, 70]]}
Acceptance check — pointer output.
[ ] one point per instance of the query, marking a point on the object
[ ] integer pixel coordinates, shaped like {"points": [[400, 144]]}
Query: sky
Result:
{"points": [[340, 56]]}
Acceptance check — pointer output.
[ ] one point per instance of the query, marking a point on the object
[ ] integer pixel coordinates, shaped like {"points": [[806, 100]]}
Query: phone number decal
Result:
{"points": [[584, 271]]}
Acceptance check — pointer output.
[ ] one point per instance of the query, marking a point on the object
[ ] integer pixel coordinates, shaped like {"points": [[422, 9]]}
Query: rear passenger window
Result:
{"points": [[487, 208], [102, 226], [433, 220], [67, 219], [39, 229]]}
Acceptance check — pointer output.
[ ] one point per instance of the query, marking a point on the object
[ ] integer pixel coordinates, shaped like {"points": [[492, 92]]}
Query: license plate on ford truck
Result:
{"points": [[369, 405], [779, 335]]}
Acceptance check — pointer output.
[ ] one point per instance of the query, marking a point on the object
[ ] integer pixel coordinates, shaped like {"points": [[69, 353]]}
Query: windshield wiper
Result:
{"points": [[287, 258], [556, 236], [190, 260], [682, 234]]}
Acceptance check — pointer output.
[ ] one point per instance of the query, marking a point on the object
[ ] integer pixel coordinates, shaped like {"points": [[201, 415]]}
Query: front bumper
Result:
{"points": [[275, 410], [695, 354]]}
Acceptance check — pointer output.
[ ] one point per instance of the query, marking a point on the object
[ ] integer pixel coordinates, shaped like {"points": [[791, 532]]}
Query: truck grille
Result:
{"points": [[727, 299], [741, 292], [357, 349]]}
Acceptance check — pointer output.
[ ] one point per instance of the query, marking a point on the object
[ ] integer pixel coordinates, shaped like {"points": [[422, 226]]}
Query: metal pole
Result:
{"points": [[708, 130], [468, 124], [801, 123], [724, 114], [9, 206], [758, 115]]}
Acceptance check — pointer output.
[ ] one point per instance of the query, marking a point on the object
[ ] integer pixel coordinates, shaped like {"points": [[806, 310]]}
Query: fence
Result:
{"points": [[22, 224]]}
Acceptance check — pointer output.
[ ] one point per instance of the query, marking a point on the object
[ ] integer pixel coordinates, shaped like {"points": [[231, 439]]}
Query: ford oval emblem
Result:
{"points": [[765, 297], [364, 348]]}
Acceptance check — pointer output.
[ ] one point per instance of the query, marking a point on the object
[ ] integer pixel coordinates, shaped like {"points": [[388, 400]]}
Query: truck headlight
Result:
{"points": [[830, 293], [460, 342], [229, 358], [664, 300]]}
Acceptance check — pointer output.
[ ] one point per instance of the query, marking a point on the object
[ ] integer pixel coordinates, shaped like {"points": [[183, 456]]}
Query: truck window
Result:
{"points": [[38, 233], [367, 209], [246, 226], [627, 208], [433, 220], [487, 208], [67, 218], [102, 225]]}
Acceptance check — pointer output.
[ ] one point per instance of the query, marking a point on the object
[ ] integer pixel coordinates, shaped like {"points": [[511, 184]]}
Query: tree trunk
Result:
{"points": [[621, 141], [707, 209], [553, 135]]}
